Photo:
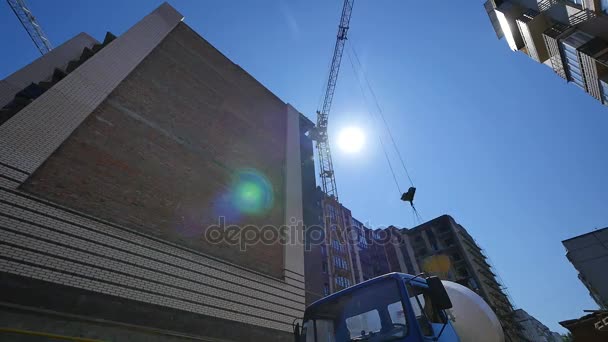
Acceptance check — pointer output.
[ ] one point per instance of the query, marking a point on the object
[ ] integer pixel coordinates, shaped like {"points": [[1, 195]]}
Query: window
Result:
{"points": [[396, 312], [340, 262], [324, 267], [449, 242], [409, 266], [323, 250], [605, 6], [372, 313], [425, 311], [569, 48], [326, 289], [456, 257], [335, 244], [340, 281], [332, 213], [363, 240], [432, 240], [473, 284], [604, 87], [365, 323]]}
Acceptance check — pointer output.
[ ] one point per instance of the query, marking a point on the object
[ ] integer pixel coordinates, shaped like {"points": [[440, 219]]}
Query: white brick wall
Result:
{"points": [[52, 244], [29, 137], [43, 67]]}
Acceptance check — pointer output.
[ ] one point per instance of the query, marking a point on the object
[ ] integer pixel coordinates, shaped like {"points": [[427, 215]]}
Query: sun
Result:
{"points": [[351, 139]]}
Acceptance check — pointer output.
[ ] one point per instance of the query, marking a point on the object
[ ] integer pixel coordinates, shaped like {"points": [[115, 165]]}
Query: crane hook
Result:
{"points": [[409, 195]]}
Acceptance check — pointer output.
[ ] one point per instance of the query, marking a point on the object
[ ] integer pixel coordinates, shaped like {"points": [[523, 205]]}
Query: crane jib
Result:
{"points": [[323, 150]]}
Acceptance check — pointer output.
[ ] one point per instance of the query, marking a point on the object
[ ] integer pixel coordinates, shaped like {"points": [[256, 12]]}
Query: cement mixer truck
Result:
{"points": [[400, 307]]}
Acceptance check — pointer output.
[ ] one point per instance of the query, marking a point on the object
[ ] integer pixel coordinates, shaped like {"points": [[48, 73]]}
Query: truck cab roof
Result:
{"points": [[395, 275]]}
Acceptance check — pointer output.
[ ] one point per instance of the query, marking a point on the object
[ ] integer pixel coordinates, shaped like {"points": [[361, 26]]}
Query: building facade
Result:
{"points": [[569, 36], [444, 248], [588, 253], [329, 263], [533, 330], [120, 163]]}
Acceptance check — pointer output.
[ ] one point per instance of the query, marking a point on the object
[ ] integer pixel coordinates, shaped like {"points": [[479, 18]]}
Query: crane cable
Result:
{"points": [[375, 120], [371, 90], [352, 53]]}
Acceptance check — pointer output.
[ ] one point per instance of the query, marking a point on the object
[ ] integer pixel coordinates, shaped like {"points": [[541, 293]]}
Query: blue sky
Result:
{"points": [[512, 152]]}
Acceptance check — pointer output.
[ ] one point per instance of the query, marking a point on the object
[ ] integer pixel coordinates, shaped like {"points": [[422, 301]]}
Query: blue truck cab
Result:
{"points": [[392, 307]]}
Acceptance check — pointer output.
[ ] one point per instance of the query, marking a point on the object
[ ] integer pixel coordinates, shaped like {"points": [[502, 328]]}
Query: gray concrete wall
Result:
{"points": [[588, 253]]}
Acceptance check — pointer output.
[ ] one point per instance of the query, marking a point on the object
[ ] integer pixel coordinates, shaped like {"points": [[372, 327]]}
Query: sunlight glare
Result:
{"points": [[351, 139]]}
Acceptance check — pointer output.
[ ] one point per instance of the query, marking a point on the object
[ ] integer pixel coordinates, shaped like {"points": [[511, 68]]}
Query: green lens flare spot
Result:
{"points": [[252, 193]]}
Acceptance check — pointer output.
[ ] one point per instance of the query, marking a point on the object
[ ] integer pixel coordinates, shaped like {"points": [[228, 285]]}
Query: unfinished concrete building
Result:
{"points": [[116, 159], [588, 253], [444, 248], [568, 36], [438, 247]]}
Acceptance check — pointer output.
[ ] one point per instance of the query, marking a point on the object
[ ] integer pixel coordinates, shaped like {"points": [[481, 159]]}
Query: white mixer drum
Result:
{"points": [[471, 316]]}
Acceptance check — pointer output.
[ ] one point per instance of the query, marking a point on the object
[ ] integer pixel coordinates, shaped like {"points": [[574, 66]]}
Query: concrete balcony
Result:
{"points": [[507, 14], [490, 6], [594, 60], [551, 38], [531, 26]]}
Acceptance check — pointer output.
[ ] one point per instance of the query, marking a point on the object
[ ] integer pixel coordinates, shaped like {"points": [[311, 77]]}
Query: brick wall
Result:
{"points": [[160, 152], [108, 178]]}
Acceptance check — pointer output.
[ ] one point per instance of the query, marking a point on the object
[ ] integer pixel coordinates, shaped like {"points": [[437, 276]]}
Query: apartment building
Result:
{"points": [[568, 36], [588, 253]]}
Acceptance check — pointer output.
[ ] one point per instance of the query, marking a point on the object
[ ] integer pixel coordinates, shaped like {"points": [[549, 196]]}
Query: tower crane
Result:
{"points": [[326, 168], [319, 134], [30, 24]]}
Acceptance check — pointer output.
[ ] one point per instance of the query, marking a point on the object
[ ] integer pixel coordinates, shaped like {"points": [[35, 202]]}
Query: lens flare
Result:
{"points": [[251, 192]]}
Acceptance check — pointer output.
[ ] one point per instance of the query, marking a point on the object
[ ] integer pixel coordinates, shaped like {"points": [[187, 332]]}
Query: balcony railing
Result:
{"points": [[545, 5], [581, 16], [551, 38]]}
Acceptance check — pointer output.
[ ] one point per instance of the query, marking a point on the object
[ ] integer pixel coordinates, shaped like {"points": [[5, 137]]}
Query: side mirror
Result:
{"points": [[438, 293]]}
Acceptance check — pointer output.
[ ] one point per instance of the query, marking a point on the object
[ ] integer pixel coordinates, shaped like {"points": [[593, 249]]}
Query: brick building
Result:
{"points": [[328, 262], [116, 159]]}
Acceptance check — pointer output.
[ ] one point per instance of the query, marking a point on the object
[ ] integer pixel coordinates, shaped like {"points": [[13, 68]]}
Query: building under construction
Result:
{"points": [[116, 158], [440, 247]]}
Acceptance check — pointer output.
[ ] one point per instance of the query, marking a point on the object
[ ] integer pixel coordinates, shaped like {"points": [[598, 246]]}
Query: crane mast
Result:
{"points": [[323, 149], [30, 24]]}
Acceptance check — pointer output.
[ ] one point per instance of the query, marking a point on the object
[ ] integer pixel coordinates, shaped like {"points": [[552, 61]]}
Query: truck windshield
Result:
{"points": [[372, 313]]}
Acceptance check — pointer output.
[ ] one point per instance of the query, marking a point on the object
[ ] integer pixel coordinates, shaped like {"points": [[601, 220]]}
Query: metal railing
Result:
{"points": [[581, 16]]}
